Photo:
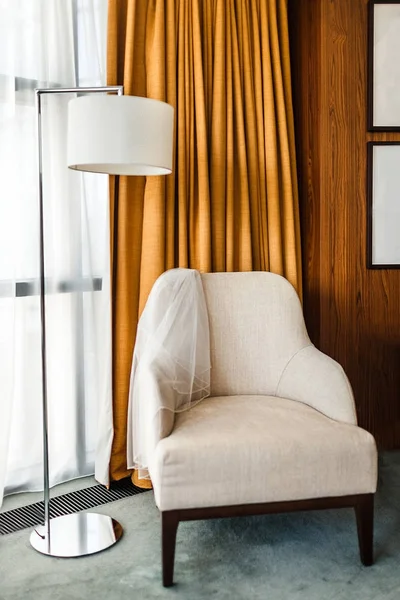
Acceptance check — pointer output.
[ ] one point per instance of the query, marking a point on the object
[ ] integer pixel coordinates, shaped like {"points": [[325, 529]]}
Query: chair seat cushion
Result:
{"points": [[235, 450]]}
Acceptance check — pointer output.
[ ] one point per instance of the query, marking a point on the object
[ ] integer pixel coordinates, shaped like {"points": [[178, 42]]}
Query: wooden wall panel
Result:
{"points": [[304, 24], [353, 314]]}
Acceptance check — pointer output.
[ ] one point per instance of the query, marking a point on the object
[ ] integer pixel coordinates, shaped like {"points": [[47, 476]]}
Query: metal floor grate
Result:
{"points": [[73, 502]]}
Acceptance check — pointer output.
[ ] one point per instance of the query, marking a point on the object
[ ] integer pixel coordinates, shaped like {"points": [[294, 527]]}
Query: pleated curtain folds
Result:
{"points": [[231, 203]]}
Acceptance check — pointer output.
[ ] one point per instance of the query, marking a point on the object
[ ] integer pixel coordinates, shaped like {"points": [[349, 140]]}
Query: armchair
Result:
{"points": [[279, 431]]}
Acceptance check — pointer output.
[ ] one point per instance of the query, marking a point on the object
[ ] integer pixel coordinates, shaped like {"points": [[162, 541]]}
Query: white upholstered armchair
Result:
{"points": [[279, 430]]}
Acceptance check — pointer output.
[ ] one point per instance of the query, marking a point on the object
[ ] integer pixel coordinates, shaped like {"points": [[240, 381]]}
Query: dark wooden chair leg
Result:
{"points": [[170, 522], [365, 527]]}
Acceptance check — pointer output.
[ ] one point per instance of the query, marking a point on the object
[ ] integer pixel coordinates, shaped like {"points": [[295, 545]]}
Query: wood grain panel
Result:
{"points": [[304, 24], [353, 313]]}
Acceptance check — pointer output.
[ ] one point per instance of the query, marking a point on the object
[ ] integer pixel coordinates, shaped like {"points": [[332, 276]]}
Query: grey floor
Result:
{"points": [[303, 556]]}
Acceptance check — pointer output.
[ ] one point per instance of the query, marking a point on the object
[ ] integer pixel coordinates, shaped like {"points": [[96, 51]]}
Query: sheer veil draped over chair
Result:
{"points": [[171, 361]]}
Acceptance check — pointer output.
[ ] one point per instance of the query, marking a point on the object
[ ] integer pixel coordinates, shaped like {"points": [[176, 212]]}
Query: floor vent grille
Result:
{"points": [[32, 515]]}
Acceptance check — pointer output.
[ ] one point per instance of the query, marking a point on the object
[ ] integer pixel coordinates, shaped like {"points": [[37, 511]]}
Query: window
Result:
{"points": [[44, 44]]}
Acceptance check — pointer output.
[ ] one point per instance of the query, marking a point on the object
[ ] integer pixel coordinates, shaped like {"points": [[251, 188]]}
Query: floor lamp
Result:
{"points": [[117, 135]]}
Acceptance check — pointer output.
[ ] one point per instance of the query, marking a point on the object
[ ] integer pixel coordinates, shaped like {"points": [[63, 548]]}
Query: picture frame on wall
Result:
{"points": [[383, 227], [384, 65]]}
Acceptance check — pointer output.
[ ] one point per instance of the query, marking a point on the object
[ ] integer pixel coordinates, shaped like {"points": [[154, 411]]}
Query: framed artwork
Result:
{"points": [[383, 227], [384, 65]]}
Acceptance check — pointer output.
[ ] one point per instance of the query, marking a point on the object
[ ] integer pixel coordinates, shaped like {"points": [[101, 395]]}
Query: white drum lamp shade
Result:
{"points": [[120, 135]]}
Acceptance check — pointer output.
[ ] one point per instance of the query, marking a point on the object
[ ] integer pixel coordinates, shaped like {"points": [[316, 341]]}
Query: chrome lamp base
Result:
{"points": [[76, 535]]}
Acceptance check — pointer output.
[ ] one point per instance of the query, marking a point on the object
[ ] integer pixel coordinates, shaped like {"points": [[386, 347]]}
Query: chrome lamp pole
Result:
{"points": [[118, 135]]}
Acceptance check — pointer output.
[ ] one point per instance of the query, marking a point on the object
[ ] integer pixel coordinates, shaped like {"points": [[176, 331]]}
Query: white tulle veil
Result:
{"points": [[171, 361]]}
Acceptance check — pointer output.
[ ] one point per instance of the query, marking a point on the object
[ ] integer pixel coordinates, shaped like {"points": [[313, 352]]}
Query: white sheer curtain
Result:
{"points": [[57, 43]]}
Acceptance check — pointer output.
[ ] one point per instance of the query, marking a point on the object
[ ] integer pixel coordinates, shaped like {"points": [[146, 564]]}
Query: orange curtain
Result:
{"points": [[231, 203]]}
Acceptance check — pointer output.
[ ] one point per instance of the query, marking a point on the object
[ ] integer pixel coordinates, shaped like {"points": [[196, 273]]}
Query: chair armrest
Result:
{"points": [[161, 407], [316, 379], [151, 416]]}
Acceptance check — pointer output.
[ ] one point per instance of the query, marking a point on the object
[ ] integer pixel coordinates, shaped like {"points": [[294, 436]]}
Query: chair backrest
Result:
{"points": [[256, 327]]}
